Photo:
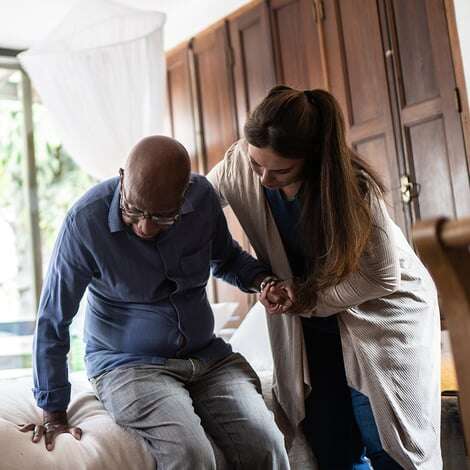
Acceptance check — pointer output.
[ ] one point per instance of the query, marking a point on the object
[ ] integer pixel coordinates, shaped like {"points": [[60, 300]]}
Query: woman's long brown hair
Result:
{"points": [[336, 216]]}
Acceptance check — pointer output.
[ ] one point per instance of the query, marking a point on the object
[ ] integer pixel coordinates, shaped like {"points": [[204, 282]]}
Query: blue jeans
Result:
{"points": [[173, 406], [339, 424], [370, 434]]}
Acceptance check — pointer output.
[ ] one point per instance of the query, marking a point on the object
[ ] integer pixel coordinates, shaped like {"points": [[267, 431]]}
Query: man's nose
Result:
{"points": [[147, 226]]}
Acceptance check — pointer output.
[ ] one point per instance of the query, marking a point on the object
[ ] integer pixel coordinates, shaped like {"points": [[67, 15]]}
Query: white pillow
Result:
{"points": [[222, 313], [252, 339]]}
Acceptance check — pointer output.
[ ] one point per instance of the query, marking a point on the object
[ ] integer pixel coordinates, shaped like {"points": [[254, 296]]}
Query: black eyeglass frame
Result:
{"points": [[137, 215]]}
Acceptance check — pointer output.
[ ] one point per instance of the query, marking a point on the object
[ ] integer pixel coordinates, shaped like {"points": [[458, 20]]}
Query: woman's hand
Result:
{"points": [[278, 296]]}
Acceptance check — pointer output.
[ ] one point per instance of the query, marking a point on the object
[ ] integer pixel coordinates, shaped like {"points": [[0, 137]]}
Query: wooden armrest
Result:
{"points": [[443, 245]]}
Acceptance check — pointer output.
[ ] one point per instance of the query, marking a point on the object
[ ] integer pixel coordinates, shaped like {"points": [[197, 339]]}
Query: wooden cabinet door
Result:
{"points": [[297, 36], [357, 77], [254, 72], [430, 123], [211, 67], [180, 102], [214, 88]]}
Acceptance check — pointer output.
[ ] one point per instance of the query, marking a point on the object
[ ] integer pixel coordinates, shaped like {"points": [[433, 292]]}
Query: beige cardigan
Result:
{"points": [[388, 317]]}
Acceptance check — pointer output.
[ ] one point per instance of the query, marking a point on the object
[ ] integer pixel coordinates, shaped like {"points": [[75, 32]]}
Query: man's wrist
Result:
{"points": [[262, 279], [54, 416]]}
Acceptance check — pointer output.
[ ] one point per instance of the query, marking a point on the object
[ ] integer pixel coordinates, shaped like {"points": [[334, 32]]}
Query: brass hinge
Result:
{"points": [[318, 10], [409, 189], [458, 100]]}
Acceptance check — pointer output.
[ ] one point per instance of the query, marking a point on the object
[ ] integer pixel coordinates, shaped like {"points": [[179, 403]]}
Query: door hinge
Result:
{"points": [[409, 189], [318, 10], [458, 100]]}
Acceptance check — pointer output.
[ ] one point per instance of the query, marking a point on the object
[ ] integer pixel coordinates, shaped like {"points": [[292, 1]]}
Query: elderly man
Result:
{"points": [[143, 244]]}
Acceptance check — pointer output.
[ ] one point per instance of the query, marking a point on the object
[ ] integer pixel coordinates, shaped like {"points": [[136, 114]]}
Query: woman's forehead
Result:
{"points": [[268, 158]]}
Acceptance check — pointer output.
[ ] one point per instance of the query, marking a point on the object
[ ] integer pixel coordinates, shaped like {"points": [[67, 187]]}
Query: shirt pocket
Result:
{"points": [[196, 266]]}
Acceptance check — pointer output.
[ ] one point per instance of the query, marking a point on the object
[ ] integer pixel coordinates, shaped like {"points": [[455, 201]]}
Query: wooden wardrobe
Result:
{"points": [[388, 62]]}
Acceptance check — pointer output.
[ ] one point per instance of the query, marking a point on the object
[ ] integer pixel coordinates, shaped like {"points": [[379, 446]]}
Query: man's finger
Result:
{"points": [[50, 438], [26, 427], [263, 294], [38, 433]]}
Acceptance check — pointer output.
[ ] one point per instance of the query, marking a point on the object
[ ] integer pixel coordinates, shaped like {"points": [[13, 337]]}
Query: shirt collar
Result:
{"points": [[115, 222]]}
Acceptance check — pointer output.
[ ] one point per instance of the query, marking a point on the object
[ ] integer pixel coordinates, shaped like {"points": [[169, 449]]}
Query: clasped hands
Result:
{"points": [[278, 296]]}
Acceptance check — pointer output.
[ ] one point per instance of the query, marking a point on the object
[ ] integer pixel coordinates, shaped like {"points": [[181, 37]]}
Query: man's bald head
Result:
{"points": [[157, 172]]}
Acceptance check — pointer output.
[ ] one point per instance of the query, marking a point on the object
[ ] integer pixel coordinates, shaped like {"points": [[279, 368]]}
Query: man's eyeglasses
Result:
{"points": [[134, 215]]}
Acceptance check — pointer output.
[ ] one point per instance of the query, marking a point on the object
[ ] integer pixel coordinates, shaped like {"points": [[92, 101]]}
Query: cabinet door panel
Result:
{"points": [[434, 144], [296, 42], [366, 79], [215, 93], [419, 81], [426, 142], [250, 36], [358, 79], [180, 108]]}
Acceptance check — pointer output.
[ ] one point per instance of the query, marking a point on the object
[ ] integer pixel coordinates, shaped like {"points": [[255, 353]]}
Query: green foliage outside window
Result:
{"points": [[60, 183]]}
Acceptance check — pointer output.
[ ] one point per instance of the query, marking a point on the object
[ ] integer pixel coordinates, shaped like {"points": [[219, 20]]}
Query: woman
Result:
{"points": [[357, 347]]}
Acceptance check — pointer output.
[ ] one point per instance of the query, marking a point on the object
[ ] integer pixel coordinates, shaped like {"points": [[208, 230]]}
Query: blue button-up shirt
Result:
{"points": [[146, 300]]}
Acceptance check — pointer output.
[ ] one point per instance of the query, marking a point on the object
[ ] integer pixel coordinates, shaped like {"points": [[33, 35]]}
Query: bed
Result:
{"points": [[105, 445]]}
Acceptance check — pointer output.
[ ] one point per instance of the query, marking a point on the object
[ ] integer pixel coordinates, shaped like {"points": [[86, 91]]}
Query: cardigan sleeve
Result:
{"points": [[215, 176], [378, 274]]}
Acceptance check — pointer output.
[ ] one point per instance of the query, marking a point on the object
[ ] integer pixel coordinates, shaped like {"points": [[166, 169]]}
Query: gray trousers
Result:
{"points": [[173, 406]]}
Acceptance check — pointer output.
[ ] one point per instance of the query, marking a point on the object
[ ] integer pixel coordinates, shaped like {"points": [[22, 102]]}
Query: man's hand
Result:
{"points": [[278, 296], [54, 423]]}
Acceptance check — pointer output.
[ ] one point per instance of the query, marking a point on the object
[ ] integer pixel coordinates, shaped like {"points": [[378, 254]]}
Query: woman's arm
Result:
{"points": [[378, 274]]}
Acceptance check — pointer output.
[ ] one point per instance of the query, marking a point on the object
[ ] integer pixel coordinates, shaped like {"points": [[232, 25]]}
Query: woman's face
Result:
{"points": [[275, 172]]}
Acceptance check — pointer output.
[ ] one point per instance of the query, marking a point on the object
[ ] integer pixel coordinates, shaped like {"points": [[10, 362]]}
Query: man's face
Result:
{"points": [[152, 215], [275, 172]]}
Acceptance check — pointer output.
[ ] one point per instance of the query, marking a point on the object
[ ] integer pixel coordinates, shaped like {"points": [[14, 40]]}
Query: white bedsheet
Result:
{"points": [[104, 445]]}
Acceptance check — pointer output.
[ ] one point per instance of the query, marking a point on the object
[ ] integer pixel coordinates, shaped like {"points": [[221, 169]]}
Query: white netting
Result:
{"points": [[101, 74]]}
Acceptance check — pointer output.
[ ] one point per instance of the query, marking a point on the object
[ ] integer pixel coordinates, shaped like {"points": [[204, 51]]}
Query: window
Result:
{"points": [[46, 174], [17, 297]]}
